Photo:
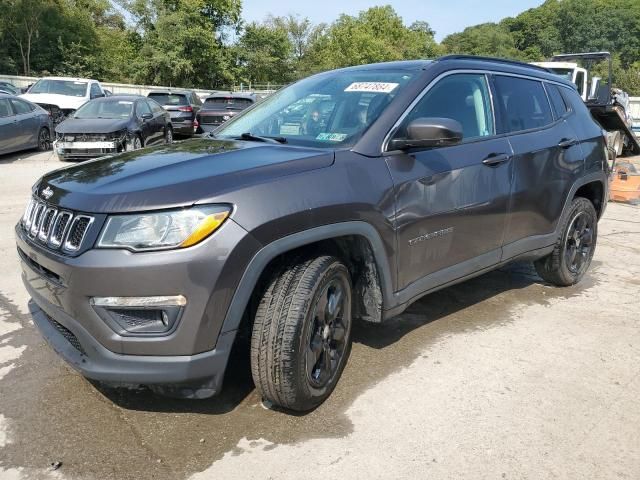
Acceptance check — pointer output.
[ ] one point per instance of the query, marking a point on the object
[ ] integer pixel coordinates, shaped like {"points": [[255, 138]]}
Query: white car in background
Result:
{"points": [[61, 96]]}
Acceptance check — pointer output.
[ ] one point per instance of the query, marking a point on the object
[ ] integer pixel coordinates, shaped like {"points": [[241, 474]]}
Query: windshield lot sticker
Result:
{"points": [[375, 87], [331, 137]]}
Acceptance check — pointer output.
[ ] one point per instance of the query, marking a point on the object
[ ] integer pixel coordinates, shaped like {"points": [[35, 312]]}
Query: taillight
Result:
{"points": [[196, 124], [186, 109]]}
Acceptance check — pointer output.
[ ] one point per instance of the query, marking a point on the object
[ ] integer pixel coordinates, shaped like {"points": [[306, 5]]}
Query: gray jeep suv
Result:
{"points": [[347, 195]]}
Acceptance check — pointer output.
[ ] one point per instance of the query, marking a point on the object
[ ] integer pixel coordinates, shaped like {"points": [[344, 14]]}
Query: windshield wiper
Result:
{"points": [[257, 138]]}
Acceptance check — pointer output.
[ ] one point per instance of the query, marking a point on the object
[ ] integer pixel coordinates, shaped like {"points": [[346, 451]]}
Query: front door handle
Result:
{"points": [[567, 142], [495, 160]]}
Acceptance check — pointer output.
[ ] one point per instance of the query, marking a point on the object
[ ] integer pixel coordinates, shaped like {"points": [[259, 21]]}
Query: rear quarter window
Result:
{"points": [[557, 102], [523, 103]]}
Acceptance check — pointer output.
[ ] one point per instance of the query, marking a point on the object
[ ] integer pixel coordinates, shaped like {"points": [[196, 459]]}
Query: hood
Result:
{"points": [[92, 125], [175, 175], [64, 102]]}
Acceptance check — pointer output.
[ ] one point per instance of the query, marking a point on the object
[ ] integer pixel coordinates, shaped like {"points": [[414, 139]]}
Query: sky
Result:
{"points": [[445, 17]]}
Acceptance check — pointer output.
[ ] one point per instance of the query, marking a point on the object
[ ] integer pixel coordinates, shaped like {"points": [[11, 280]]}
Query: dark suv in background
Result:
{"points": [[218, 108], [183, 106], [345, 196]]}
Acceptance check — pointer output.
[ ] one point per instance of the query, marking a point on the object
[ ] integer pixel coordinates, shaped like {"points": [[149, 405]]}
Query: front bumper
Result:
{"points": [[80, 350], [86, 150], [195, 351]]}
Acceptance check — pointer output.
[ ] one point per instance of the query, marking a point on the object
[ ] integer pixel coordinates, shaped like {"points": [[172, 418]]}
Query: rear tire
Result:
{"points": [[301, 336], [574, 248], [44, 140]]}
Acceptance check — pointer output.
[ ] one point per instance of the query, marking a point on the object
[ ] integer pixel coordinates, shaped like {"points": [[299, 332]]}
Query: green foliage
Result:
{"points": [[375, 35], [189, 43], [264, 54]]}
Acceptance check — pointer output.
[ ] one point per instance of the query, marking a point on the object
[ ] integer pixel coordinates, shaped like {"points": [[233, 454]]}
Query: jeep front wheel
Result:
{"points": [[302, 333]]}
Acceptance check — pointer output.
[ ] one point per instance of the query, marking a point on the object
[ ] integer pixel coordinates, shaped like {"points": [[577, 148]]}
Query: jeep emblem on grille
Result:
{"points": [[46, 193]]}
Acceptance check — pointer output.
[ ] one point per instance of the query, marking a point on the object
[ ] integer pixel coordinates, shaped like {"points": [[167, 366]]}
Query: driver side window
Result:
{"points": [[142, 108], [463, 97]]}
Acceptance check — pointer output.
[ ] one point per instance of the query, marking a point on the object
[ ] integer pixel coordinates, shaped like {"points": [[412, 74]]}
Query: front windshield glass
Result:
{"points": [[566, 73], [112, 109], [70, 88], [329, 110]]}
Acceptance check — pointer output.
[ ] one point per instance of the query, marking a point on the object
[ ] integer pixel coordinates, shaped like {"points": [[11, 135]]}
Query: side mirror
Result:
{"points": [[147, 116], [429, 132]]}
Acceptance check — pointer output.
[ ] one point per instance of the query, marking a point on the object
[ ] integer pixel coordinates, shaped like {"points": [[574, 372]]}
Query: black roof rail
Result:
{"points": [[495, 60]]}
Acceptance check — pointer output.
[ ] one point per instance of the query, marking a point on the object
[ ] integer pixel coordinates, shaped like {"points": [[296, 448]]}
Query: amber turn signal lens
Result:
{"points": [[206, 227]]}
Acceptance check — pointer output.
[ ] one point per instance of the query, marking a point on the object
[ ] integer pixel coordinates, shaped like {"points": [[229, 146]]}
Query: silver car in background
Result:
{"points": [[23, 125]]}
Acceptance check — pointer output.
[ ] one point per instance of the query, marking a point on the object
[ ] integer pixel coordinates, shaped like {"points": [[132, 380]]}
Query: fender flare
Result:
{"points": [[599, 176], [265, 255]]}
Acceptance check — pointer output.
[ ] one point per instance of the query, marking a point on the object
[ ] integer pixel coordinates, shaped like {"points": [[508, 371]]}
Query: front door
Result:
{"points": [[451, 201]]}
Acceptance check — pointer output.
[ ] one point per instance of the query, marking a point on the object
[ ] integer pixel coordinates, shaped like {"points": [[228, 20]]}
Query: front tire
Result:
{"points": [[168, 137], [134, 143], [301, 336], [575, 247]]}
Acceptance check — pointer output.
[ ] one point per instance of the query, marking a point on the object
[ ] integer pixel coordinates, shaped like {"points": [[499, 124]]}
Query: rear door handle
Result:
{"points": [[567, 142], [495, 160]]}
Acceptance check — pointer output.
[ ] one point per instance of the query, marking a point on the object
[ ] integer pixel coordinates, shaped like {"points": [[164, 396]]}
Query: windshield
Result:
{"points": [[566, 73], [327, 110], [112, 109], [70, 88], [169, 98]]}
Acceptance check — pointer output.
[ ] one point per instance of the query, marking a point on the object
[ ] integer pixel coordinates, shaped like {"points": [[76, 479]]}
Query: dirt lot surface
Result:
{"points": [[499, 377]]}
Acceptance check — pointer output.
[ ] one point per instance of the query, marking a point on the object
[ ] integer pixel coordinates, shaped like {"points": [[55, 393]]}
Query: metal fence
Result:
{"points": [[115, 88]]}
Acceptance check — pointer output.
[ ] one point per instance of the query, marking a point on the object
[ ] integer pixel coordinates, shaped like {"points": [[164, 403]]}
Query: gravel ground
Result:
{"points": [[499, 377]]}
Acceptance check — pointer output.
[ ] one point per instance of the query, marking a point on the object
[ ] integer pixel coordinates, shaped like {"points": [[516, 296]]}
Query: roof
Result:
{"points": [[74, 79], [397, 65], [248, 96], [121, 96], [181, 91]]}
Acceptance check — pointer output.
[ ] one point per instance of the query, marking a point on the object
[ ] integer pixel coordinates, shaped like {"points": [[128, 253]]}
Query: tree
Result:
{"points": [[265, 54], [375, 35], [22, 26]]}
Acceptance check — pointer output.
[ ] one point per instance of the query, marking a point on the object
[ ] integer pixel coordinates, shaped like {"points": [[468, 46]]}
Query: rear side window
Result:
{"points": [[169, 98], [5, 108], [21, 107], [557, 102], [463, 97], [523, 103]]}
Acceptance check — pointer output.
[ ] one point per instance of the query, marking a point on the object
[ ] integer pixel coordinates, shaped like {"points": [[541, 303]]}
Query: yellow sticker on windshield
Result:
{"points": [[372, 87]]}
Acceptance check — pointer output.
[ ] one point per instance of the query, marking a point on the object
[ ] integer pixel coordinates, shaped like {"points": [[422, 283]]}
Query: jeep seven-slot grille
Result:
{"points": [[54, 228]]}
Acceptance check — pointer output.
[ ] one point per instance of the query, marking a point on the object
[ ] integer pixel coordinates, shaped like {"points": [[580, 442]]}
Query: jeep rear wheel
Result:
{"points": [[302, 333], [575, 247]]}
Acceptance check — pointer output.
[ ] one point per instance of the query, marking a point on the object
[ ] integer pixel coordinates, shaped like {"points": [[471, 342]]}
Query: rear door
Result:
{"points": [[8, 127], [28, 124], [547, 159], [451, 201]]}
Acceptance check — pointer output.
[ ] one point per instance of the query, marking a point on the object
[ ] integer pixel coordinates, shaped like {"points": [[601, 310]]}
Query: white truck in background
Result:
{"points": [[609, 106], [61, 96]]}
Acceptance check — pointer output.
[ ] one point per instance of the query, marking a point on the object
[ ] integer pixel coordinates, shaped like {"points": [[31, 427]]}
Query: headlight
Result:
{"points": [[162, 230]]}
